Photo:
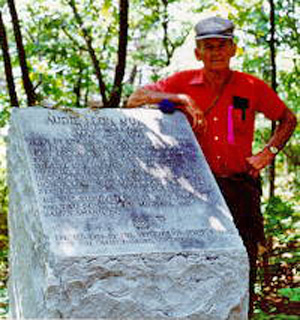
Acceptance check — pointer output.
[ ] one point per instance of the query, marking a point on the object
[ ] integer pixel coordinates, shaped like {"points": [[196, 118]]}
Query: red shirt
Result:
{"points": [[227, 141]]}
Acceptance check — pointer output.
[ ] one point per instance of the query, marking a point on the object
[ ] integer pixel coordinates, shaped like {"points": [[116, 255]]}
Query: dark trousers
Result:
{"points": [[242, 194]]}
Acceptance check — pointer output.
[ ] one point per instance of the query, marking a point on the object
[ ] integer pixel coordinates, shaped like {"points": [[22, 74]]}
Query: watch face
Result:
{"points": [[274, 150]]}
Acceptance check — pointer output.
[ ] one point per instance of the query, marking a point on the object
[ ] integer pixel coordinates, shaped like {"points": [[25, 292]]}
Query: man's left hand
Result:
{"points": [[259, 161]]}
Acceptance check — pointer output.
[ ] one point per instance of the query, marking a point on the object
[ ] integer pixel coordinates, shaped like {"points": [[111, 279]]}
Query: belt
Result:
{"points": [[242, 177]]}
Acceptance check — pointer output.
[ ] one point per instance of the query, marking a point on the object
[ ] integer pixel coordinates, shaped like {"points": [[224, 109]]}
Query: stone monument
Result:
{"points": [[115, 214]]}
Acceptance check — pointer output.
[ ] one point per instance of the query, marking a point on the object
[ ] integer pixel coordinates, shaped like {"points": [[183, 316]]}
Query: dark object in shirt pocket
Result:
{"points": [[241, 104]]}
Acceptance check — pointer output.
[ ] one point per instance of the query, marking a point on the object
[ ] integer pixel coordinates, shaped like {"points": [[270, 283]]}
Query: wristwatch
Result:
{"points": [[273, 149]]}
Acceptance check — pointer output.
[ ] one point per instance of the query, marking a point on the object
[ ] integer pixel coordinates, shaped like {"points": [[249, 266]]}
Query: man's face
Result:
{"points": [[215, 53]]}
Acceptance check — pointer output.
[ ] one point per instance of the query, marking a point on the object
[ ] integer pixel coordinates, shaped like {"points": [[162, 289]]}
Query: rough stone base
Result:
{"points": [[161, 286]]}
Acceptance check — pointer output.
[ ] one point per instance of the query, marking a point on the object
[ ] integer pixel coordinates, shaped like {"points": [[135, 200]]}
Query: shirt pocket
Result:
{"points": [[240, 121]]}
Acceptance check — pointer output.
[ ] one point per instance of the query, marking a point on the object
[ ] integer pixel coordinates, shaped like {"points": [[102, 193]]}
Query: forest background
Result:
{"points": [[87, 53]]}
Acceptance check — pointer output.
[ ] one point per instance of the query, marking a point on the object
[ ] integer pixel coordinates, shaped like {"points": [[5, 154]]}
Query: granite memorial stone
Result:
{"points": [[115, 214]]}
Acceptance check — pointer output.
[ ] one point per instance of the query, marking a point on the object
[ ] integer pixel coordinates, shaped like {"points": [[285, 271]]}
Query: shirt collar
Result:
{"points": [[198, 78]]}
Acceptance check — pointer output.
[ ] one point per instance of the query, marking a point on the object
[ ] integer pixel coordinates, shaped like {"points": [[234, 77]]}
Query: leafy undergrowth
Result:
{"points": [[265, 316], [278, 285], [3, 303]]}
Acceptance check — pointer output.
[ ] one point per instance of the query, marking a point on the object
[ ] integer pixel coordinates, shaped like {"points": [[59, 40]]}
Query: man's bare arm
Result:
{"points": [[282, 133], [185, 102], [144, 96]]}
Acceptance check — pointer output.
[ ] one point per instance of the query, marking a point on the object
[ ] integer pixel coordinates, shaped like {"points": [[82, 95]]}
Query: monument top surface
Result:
{"points": [[121, 181]]}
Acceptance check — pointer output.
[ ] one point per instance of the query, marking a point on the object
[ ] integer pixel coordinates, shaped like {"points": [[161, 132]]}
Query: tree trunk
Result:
{"points": [[274, 86], [116, 93], [133, 74], [269, 242], [89, 42], [7, 65], [77, 88], [29, 89], [165, 25], [86, 95]]}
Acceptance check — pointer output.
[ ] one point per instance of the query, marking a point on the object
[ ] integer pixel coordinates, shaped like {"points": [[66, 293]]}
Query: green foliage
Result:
{"points": [[3, 302], [292, 293], [277, 285], [57, 54], [282, 230], [4, 116], [265, 316], [280, 219]]}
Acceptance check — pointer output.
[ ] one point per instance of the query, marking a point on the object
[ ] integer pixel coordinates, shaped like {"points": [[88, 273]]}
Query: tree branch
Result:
{"points": [[67, 34], [165, 25], [88, 39], [274, 86], [77, 87], [7, 65], [168, 45], [31, 96], [133, 74]]}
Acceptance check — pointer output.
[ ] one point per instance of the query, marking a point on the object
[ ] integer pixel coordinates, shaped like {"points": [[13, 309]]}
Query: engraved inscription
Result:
{"points": [[188, 238], [111, 166], [105, 169]]}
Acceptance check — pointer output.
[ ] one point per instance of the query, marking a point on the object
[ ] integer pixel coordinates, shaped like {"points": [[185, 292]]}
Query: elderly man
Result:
{"points": [[221, 105]]}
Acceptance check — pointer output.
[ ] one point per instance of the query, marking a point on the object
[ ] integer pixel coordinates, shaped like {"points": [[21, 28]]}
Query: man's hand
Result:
{"points": [[283, 131], [197, 115], [259, 161], [138, 98], [184, 102]]}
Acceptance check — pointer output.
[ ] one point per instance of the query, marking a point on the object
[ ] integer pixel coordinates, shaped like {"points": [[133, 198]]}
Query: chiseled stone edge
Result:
{"points": [[29, 246]]}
